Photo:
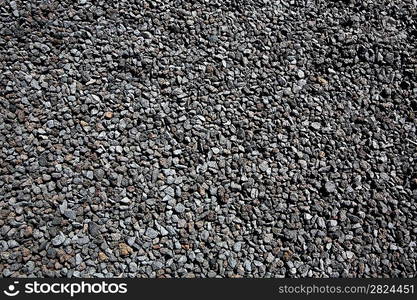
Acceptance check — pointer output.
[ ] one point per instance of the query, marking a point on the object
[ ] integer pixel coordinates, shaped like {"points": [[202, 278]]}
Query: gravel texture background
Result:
{"points": [[208, 138]]}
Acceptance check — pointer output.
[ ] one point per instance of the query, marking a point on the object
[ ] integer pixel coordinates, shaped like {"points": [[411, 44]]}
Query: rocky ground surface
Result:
{"points": [[208, 138]]}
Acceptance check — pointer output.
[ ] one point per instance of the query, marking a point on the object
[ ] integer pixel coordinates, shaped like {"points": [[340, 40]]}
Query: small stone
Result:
{"points": [[177, 152], [181, 223], [245, 61], [131, 240], [13, 244], [42, 161], [78, 259], [26, 252], [108, 115], [263, 166], [303, 163], [287, 255], [268, 237], [315, 125], [93, 229], [119, 149], [102, 256], [133, 267], [163, 231], [237, 246], [151, 233], [293, 197], [125, 200], [332, 223], [36, 190], [232, 262], [13, 5], [58, 240], [205, 235], [322, 81], [28, 231], [215, 150], [330, 187], [125, 250], [99, 174], [83, 240], [21, 116], [179, 208], [349, 254], [320, 222], [90, 175], [51, 253], [50, 123], [170, 191], [70, 214], [156, 265]]}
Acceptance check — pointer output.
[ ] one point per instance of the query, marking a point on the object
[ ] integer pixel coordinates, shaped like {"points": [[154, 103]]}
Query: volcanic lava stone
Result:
{"points": [[208, 138]]}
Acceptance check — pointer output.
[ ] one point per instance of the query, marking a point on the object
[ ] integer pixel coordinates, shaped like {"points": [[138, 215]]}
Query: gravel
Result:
{"points": [[93, 229], [151, 233], [179, 208], [58, 240], [330, 187], [208, 139]]}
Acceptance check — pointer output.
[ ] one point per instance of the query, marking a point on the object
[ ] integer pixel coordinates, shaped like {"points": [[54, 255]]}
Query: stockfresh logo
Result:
{"points": [[70, 289], [12, 290]]}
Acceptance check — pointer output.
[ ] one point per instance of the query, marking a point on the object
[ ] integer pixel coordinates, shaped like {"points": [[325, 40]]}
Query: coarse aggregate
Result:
{"points": [[208, 138]]}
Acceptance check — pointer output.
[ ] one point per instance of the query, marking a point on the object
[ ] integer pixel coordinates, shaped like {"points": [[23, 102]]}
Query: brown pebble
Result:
{"points": [[28, 231], [25, 252], [21, 116], [287, 255], [108, 115], [124, 249], [102, 256], [322, 81]]}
